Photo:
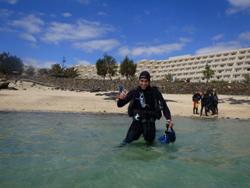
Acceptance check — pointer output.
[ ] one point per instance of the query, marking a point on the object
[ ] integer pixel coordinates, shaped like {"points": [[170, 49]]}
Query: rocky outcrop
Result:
{"points": [[4, 84]]}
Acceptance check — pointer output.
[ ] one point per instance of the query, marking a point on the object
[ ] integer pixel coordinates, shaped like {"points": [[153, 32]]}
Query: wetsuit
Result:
{"points": [[144, 110], [204, 103], [215, 104]]}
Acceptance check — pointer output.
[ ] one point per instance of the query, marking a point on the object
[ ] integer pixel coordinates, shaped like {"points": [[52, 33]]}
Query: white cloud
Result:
{"points": [[185, 40], [9, 1], [82, 30], [242, 40], [220, 47], [103, 45], [30, 24], [153, 50], [28, 37], [245, 36], [33, 28], [82, 62], [31, 61], [217, 37], [238, 5], [66, 14], [47, 64], [38, 63], [124, 51]]}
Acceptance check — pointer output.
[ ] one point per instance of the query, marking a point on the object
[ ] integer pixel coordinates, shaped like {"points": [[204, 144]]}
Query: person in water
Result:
{"points": [[146, 104]]}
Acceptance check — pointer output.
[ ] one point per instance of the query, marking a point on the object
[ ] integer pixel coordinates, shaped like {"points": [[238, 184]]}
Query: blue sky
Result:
{"points": [[42, 32]]}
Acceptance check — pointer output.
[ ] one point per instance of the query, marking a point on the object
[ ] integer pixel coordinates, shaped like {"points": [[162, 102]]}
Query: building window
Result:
{"points": [[242, 52], [241, 57]]}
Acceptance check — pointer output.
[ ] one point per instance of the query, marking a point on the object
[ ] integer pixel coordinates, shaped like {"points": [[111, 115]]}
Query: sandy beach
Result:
{"points": [[41, 98]]}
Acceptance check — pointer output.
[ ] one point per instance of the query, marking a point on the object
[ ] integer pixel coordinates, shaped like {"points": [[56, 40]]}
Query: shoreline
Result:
{"points": [[197, 117]]}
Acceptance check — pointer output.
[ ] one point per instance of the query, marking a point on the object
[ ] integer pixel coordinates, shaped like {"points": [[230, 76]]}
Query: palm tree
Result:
{"points": [[208, 72], [168, 78]]}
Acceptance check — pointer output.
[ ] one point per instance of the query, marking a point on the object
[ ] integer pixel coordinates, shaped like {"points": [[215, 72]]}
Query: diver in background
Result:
{"points": [[196, 98]]}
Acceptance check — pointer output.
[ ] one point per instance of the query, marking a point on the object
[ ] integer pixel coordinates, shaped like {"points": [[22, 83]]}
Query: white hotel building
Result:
{"points": [[87, 71], [228, 66]]}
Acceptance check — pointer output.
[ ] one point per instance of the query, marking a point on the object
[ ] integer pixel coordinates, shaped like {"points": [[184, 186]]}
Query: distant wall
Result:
{"points": [[220, 87], [165, 87]]}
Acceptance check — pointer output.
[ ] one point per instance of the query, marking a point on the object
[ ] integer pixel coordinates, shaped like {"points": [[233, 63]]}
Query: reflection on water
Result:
{"points": [[76, 150]]}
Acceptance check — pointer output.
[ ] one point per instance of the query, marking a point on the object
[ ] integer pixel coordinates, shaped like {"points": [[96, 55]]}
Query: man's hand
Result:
{"points": [[122, 95], [170, 123]]}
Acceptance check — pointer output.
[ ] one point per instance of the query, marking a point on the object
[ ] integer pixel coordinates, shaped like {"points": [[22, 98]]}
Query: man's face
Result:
{"points": [[143, 83]]}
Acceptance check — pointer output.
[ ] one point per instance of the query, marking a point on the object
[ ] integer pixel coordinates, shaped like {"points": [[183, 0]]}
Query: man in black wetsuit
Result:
{"points": [[146, 104], [204, 103]]}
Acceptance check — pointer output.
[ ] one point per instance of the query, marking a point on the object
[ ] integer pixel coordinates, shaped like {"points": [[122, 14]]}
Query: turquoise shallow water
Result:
{"points": [[75, 150]]}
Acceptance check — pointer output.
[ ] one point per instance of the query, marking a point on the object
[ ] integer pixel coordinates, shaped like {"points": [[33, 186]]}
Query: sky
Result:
{"points": [[42, 32]]}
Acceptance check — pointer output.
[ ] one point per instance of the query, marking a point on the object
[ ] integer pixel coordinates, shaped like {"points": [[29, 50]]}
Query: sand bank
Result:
{"points": [[40, 98]]}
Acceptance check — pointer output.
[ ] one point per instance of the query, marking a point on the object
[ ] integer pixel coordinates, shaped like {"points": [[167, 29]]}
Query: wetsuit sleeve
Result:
{"points": [[122, 102], [164, 107]]}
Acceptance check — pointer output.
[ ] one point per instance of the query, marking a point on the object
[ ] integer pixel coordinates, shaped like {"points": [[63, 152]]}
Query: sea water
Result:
{"points": [[80, 150]]}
